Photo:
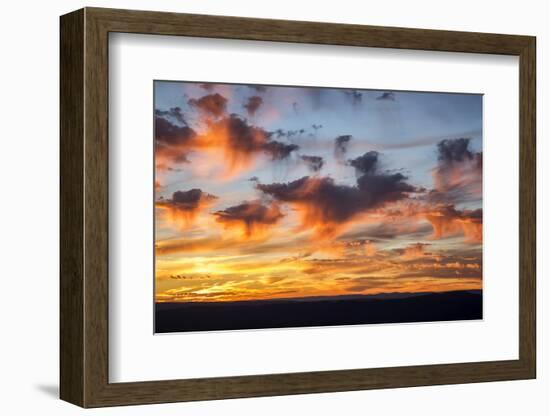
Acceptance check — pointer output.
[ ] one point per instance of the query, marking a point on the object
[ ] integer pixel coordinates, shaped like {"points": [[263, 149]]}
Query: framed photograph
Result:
{"points": [[260, 207]]}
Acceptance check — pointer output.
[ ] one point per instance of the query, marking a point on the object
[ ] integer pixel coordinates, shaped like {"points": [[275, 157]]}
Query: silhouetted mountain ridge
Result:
{"points": [[319, 311]]}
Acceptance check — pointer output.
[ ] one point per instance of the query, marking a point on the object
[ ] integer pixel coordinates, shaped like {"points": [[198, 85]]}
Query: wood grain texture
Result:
{"points": [[72, 368], [527, 208], [84, 207], [96, 219], [225, 27]]}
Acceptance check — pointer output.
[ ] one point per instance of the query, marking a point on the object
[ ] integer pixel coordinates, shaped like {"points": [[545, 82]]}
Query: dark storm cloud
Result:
{"points": [[389, 96], [191, 197], [325, 205], [168, 134], [182, 158], [245, 138], [258, 88], [279, 150], [292, 133], [184, 206], [251, 215], [174, 112], [354, 96], [313, 163], [253, 104], [366, 163], [450, 211], [213, 104], [326, 202], [190, 200], [385, 187], [458, 175], [454, 150], [278, 133], [207, 87], [286, 133], [341, 144], [172, 141]]}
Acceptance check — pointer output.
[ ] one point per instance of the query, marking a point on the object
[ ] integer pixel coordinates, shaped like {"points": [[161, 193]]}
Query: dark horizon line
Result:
{"points": [[383, 295]]}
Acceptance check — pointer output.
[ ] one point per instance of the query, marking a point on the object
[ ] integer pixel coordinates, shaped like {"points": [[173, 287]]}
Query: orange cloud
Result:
{"points": [[448, 221], [184, 206], [271, 273], [238, 142], [252, 217], [445, 219], [346, 248], [180, 246], [414, 251]]}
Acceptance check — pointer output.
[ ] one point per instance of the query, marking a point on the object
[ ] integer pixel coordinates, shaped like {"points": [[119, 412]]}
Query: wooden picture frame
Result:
{"points": [[84, 207]]}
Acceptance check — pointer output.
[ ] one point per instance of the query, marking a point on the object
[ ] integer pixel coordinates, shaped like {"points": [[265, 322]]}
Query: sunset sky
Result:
{"points": [[283, 192]]}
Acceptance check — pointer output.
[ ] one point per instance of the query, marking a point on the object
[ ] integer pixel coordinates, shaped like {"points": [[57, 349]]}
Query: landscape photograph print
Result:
{"points": [[298, 206]]}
